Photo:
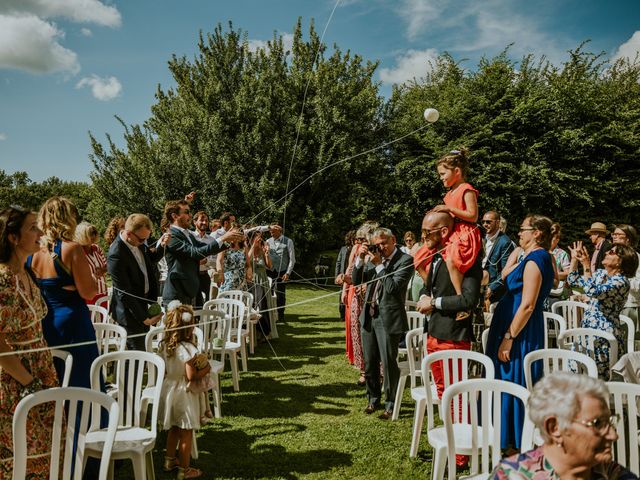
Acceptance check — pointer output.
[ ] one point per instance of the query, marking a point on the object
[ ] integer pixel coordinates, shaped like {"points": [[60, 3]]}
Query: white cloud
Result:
{"points": [[31, 44], [630, 49], [104, 89], [412, 64], [287, 43], [86, 32], [419, 14], [80, 11], [3, 136]]}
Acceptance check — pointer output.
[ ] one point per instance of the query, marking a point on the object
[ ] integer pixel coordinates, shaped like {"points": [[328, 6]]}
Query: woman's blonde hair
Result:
{"points": [[175, 328], [58, 219], [85, 233]]}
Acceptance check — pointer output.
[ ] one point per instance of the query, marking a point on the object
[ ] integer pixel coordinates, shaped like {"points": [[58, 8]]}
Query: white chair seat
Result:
{"points": [[130, 438], [462, 434]]}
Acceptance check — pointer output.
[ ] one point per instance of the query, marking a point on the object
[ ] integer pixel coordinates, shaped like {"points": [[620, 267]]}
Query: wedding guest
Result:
{"points": [[87, 237], [115, 226], [627, 235]]}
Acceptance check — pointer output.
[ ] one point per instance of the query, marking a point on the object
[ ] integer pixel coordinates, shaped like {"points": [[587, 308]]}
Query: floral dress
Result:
{"points": [[234, 270], [607, 297], [20, 324], [534, 466]]}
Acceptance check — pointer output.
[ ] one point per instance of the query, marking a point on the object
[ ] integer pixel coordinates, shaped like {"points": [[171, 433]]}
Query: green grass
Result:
{"points": [[302, 416]]}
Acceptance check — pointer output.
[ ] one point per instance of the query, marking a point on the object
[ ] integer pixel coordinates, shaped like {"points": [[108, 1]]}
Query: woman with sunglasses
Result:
{"points": [[607, 290], [627, 235]]}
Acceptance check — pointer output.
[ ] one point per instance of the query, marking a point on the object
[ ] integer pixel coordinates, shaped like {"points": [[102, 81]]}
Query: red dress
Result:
{"points": [[464, 244]]}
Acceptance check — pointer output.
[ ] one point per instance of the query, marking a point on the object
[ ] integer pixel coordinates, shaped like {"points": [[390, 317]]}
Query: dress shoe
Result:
{"points": [[386, 415], [362, 381], [370, 408]]}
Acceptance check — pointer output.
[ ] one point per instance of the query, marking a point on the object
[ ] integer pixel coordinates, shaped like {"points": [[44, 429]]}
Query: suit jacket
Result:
{"points": [[183, 257], [498, 256], [342, 260], [606, 246], [443, 324], [128, 311], [395, 279]]}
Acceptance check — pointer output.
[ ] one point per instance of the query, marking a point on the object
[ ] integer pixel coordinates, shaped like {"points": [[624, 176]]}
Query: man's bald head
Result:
{"points": [[436, 228], [442, 219]]}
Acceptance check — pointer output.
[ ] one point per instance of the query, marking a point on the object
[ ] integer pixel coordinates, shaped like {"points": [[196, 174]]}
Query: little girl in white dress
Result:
{"points": [[181, 408]]}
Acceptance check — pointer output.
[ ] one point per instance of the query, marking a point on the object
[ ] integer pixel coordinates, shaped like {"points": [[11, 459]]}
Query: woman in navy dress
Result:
{"points": [[517, 327], [64, 276]]}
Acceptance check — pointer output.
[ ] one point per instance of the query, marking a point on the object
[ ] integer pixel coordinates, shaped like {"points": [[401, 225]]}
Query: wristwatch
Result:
{"points": [[433, 302], [508, 336]]}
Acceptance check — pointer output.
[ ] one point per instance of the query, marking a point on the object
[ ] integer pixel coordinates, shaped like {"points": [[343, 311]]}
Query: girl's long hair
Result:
{"points": [[175, 329]]}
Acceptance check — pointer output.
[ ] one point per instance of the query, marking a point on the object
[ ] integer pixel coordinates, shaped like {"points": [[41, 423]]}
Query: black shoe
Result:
{"points": [[386, 415], [372, 407], [362, 383]]}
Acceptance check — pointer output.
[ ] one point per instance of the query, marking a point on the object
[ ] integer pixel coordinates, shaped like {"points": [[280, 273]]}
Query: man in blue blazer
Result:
{"points": [[386, 270], [184, 252], [497, 246]]}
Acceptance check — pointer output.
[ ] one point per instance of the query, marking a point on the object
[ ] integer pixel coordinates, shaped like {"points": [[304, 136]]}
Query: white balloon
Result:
{"points": [[431, 115]]}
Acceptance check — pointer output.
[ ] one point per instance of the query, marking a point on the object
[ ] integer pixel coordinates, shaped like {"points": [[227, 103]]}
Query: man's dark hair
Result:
{"points": [[174, 206]]}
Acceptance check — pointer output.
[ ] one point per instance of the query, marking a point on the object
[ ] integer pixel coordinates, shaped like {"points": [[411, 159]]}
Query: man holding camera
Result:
{"points": [[387, 272]]}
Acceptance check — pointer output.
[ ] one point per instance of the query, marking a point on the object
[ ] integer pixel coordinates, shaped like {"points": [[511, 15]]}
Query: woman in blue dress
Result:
{"points": [[517, 327], [64, 276]]}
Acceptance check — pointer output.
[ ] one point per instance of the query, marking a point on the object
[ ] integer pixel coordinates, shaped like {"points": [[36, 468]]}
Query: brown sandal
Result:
{"points": [[170, 464], [189, 472]]}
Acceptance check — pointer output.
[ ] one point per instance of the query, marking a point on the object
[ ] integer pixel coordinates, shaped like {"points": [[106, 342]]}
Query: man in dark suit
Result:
{"points": [[497, 246], [387, 272], [131, 265], [184, 253], [598, 236]]}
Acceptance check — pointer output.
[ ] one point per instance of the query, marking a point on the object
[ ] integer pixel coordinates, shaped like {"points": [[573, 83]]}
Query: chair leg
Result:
{"points": [[139, 466], [233, 360], [151, 474], [418, 420], [398, 401], [243, 352], [217, 401], [252, 338], [439, 463], [110, 473]]}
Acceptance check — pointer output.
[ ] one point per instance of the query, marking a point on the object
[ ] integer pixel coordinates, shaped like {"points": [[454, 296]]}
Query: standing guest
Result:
{"points": [[214, 225], [598, 236], [234, 264], [497, 246], [342, 262], [571, 413], [87, 237], [416, 283], [409, 241], [226, 220], [64, 276], [201, 222], [135, 287], [561, 258], [22, 309], [259, 261], [283, 258], [115, 226], [627, 235], [386, 271], [517, 327], [183, 254], [607, 291], [355, 302]]}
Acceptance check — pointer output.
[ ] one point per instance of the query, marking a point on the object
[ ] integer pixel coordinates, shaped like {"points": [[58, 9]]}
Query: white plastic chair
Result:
{"points": [[410, 305], [216, 327], [559, 326], [485, 339], [234, 309], [99, 314], [554, 359], [451, 376], [476, 432], [582, 340], [110, 337], [250, 317], [415, 320], [133, 439], [571, 311], [631, 329], [103, 302], [67, 358], [624, 401], [415, 340], [70, 398]]}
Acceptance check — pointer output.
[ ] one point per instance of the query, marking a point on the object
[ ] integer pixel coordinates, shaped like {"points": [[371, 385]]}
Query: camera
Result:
{"points": [[373, 248]]}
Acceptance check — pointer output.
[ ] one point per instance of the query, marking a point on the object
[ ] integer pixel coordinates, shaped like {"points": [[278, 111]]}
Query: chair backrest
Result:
{"points": [[231, 294], [110, 337], [485, 339], [103, 302], [234, 309], [132, 376], [415, 319], [631, 331], [99, 314], [452, 375], [583, 340], [153, 338], [410, 305], [624, 400], [67, 358], [216, 328], [554, 325], [73, 400], [554, 359], [481, 401], [415, 340], [571, 311]]}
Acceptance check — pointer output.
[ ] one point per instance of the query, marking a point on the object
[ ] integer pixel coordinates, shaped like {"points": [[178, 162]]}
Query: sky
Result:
{"points": [[69, 67]]}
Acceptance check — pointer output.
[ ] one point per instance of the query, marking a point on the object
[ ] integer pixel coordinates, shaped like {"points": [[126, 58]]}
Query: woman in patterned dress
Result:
{"points": [[233, 263], [87, 237], [21, 310], [607, 290]]}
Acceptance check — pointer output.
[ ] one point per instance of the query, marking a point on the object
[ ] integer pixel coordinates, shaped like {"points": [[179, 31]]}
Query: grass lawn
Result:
{"points": [[302, 416]]}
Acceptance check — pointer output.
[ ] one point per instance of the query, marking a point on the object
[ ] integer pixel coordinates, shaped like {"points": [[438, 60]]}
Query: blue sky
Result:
{"points": [[68, 66]]}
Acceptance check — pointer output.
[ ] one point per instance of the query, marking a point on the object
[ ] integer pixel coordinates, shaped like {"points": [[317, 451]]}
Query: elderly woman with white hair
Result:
{"points": [[578, 430], [87, 236]]}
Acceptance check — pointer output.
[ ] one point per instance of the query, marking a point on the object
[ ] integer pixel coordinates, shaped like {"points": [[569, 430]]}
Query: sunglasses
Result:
{"points": [[487, 221], [613, 251]]}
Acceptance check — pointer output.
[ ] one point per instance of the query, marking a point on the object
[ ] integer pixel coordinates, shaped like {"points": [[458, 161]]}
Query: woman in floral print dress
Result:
{"points": [[607, 290], [21, 311]]}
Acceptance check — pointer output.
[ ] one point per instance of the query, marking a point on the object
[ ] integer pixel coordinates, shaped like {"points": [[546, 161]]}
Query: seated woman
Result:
{"points": [[607, 291], [572, 415]]}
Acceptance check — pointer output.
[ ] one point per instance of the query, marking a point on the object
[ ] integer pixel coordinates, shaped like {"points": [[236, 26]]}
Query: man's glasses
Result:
{"points": [[601, 425], [426, 231], [484, 222], [141, 240]]}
